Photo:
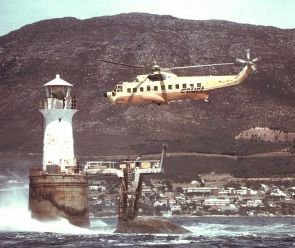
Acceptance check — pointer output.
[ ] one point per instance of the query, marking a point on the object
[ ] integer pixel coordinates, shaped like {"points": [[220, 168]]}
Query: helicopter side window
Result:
{"points": [[157, 77], [148, 88], [128, 90], [155, 88], [177, 86], [141, 89], [134, 90]]}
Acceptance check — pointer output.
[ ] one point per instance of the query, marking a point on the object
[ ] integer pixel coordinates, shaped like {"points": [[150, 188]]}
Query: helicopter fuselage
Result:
{"points": [[164, 87]]}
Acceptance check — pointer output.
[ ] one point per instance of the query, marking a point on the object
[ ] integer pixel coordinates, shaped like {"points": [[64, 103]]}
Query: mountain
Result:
{"points": [[34, 54]]}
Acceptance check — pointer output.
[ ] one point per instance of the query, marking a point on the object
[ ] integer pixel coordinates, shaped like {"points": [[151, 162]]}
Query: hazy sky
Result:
{"points": [[280, 13]]}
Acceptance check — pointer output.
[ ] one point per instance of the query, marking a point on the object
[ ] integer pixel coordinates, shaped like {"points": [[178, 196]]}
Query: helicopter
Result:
{"points": [[161, 86]]}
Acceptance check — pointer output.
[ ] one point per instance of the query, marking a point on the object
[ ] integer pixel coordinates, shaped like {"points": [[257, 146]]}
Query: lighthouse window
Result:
{"points": [[58, 92]]}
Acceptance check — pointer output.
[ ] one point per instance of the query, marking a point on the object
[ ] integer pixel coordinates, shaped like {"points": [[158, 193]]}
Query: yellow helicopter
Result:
{"points": [[162, 86]]}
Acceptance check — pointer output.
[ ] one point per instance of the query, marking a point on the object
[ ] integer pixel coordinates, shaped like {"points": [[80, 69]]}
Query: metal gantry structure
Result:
{"points": [[131, 175]]}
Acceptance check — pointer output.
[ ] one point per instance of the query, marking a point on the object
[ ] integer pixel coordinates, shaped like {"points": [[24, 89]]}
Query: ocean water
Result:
{"points": [[17, 229]]}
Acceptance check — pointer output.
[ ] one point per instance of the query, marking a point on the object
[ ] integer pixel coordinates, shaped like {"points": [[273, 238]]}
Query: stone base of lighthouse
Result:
{"points": [[52, 196]]}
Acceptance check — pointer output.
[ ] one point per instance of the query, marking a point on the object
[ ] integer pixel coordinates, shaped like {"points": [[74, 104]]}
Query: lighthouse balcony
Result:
{"points": [[55, 103]]}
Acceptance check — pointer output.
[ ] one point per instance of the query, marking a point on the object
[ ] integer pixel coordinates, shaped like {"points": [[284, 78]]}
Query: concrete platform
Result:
{"points": [[52, 196]]}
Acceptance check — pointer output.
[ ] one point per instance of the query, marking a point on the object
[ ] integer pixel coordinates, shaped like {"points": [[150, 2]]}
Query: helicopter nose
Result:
{"points": [[105, 94]]}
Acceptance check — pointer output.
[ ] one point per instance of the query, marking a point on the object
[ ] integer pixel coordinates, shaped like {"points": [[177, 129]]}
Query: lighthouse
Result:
{"points": [[58, 109], [57, 188]]}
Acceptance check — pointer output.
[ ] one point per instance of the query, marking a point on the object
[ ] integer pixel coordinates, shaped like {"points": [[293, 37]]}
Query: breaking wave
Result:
{"points": [[16, 217]]}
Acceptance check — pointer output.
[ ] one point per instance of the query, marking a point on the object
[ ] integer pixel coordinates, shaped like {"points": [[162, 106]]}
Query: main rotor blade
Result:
{"points": [[241, 61], [117, 63], [196, 66], [248, 53], [256, 59]]}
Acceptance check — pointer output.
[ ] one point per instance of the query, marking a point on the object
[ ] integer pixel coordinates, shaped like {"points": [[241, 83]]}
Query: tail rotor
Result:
{"points": [[249, 62]]}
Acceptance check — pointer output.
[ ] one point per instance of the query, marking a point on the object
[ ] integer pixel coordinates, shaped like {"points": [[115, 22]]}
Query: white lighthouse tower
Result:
{"points": [[57, 190], [58, 109]]}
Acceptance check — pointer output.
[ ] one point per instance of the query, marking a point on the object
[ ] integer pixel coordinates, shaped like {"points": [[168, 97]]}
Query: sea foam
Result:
{"points": [[16, 217]]}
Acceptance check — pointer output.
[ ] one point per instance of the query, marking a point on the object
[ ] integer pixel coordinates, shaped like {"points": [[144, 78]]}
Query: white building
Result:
{"points": [[172, 201], [230, 208], [201, 190], [246, 191], [175, 208], [216, 202], [278, 192], [160, 203], [254, 203]]}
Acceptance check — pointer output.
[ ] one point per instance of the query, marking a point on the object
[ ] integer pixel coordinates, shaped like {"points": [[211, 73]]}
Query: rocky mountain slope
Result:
{"points": [[34, 54]]}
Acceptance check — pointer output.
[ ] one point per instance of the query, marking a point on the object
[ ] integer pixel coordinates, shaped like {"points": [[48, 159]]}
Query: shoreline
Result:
{"points": [[202, 216]]}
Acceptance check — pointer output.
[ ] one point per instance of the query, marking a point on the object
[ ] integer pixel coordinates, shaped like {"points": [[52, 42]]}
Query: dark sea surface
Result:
{"points": [[17, 229], [206, 232]]}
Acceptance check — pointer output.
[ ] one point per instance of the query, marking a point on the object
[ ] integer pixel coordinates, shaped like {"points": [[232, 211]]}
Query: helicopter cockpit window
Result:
{"points": [[119, 88], [157, 77]]}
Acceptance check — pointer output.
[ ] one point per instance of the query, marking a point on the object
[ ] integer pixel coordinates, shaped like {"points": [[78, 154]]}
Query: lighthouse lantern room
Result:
{"points": [[58, 109]]}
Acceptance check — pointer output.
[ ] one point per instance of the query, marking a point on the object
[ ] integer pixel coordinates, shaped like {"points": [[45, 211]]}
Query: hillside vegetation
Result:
{"points": [[34, 54]]}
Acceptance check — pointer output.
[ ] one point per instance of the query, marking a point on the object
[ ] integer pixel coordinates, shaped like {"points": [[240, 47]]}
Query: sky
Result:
{"points": [[279, 13]]}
